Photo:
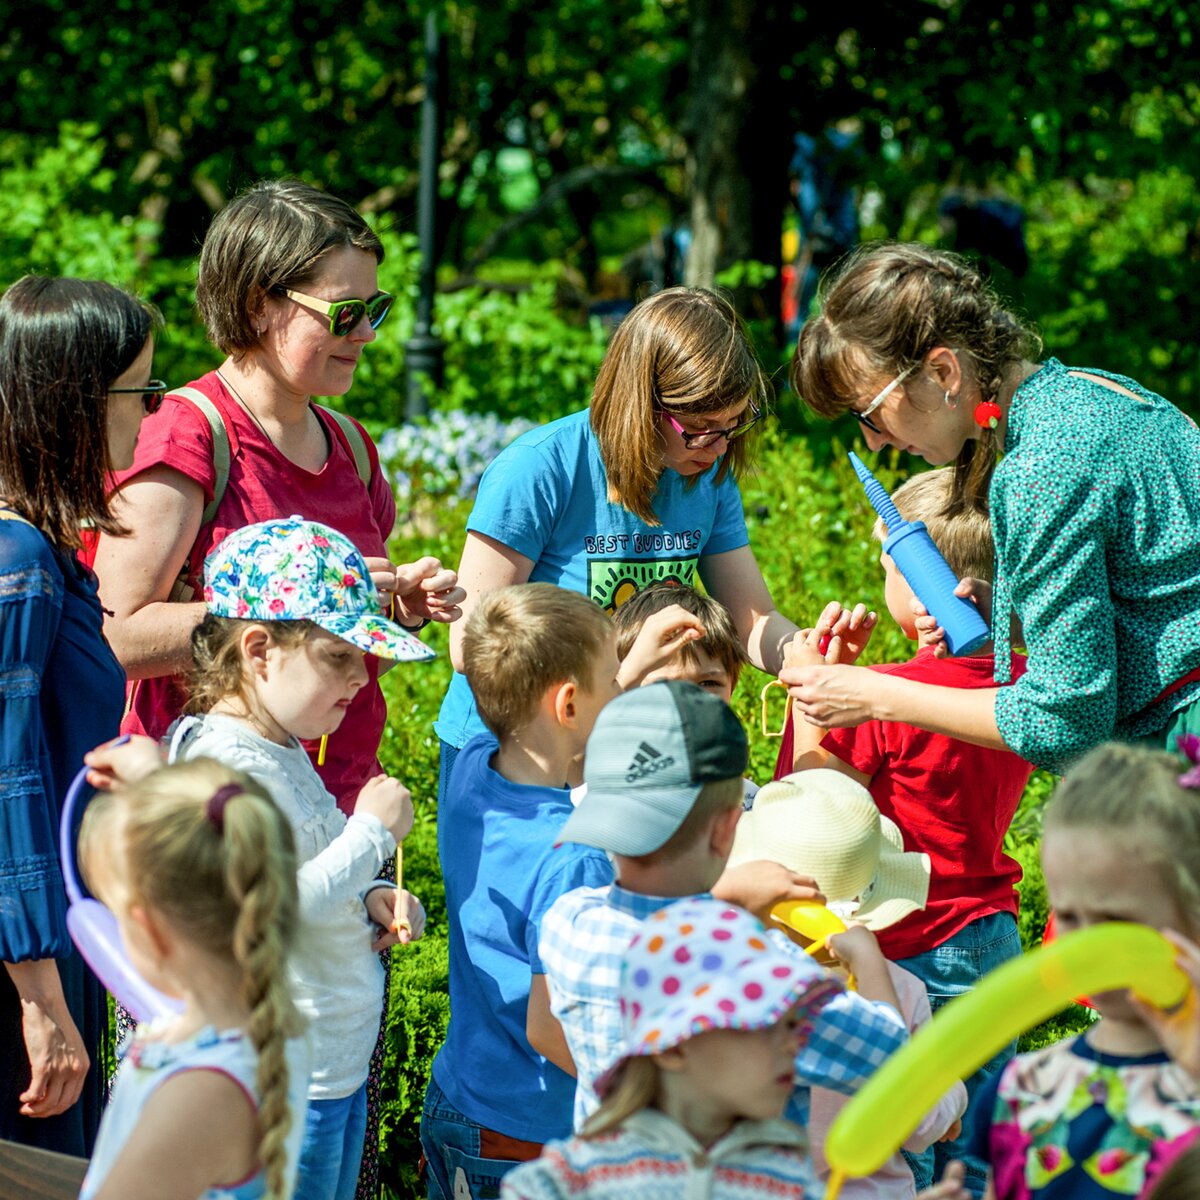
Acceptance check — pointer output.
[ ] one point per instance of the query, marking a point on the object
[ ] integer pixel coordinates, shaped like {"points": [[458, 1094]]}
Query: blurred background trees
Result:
{"points": [[585, 139]]}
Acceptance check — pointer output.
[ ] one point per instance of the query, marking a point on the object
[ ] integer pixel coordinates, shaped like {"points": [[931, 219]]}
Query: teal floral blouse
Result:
{"points": [[1096, 514]]}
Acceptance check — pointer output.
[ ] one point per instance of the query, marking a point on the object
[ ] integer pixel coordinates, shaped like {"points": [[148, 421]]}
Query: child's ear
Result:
{"points": [[671, 1060], [254, 643], [723, 828], [152, 929], [564, 701]]}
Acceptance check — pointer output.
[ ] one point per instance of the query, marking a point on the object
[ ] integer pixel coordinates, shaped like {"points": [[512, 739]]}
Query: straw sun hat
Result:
{"points": [[823, 824]]}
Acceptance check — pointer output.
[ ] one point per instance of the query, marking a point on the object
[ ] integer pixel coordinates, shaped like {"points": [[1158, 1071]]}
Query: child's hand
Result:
{"points": [[122, 761], [390, 801], [759, 886], [398, 915], [657, 642], [952, 1186], [804, 650], [1179, 1029], [930, 633], [844, 632], [952, 1132], [854, 947]]}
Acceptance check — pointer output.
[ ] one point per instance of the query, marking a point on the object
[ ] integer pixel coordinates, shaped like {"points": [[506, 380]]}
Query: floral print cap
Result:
{"points": [[702, 964], [298, 570]]}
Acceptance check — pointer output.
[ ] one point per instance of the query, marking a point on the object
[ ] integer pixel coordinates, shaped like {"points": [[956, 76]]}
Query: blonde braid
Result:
{"points": [[262, 879]]}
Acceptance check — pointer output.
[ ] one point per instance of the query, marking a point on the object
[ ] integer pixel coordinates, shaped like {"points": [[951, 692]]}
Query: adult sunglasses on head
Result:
{"points": [[709, 437], [152, 392], [344, 315]]}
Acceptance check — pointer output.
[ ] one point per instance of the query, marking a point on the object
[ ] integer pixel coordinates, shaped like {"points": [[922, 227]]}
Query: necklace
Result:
{"points": [[247, 409]]}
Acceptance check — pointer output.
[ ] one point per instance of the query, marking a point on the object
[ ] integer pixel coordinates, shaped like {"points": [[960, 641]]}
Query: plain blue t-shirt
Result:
{"points": [[502, 872], [546, 497]]}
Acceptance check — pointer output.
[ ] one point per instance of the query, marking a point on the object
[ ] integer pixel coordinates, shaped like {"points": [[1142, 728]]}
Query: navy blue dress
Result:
{"points": [[61, 693]]}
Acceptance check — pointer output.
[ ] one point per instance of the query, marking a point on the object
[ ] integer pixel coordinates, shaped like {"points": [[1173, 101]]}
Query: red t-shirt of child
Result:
{"points": [[263, 485], [951, 799]]}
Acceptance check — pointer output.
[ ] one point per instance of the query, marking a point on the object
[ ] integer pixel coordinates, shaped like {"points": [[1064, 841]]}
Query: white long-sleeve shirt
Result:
{"points": [[337, 980], [894, 1180]]}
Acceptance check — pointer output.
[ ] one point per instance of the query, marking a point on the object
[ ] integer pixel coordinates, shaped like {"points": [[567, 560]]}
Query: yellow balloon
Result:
{"points": [[965, 1033], [809, 919]]}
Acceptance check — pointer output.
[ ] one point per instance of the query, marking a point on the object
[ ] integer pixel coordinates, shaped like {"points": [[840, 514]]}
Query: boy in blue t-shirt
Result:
{"points": [[542, 663]]}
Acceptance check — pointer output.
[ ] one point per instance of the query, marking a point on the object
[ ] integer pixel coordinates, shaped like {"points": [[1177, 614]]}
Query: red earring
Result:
{"points": [[987, 414]]}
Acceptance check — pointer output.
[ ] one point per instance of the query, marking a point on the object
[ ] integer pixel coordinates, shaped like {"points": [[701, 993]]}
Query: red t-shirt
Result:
{"points": [[264, 484], [951, 799]]}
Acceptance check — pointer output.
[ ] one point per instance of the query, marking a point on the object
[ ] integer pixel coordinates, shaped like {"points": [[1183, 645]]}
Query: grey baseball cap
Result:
{"points": [[650, 753]]}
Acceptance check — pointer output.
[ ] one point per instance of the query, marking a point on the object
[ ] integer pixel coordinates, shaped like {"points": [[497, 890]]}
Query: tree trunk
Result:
{"points": [[739, 142]]}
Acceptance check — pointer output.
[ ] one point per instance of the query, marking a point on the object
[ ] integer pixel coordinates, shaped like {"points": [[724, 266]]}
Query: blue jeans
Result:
{"points": [[331, 1152], [454, 1162], [949, 970]]}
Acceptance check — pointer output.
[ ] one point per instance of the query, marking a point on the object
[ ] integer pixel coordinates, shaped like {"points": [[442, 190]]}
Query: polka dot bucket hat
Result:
{"points": [[700, 965]]}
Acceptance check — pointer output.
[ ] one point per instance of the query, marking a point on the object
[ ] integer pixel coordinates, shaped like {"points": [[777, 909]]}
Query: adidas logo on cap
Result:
{"points": [[646, 762]]}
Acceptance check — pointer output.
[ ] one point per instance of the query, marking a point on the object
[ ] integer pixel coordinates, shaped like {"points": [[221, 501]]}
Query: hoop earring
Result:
{"points": [[950, 401]]}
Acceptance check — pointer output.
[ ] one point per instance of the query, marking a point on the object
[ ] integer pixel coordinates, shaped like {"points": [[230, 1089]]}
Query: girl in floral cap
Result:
{"points": [[292, 615], [713, 1018]]}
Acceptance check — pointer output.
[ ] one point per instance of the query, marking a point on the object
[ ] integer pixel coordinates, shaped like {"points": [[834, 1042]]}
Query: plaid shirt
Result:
{"points": [[584, 936]]}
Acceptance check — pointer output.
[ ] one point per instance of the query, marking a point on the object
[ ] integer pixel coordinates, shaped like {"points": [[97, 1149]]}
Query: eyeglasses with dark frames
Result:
{"points": [[864, 417], [344, 315], [152, 392], [709, 437]]}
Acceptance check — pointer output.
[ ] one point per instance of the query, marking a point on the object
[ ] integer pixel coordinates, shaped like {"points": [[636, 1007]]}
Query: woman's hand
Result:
{"points": [[657, 642], [423, 590], [122, 761], [848, 630], [832, 697], [58, 1061], [930, 633]]}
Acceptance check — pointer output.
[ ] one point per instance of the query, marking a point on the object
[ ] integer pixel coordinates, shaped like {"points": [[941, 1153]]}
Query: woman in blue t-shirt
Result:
{"points": [[74, 385], [639, 488]]}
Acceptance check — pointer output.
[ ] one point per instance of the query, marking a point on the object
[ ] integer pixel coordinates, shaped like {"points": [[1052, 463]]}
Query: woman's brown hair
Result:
{"points": [[272, 237], [683, 350], [883, 309], [62, 344]]}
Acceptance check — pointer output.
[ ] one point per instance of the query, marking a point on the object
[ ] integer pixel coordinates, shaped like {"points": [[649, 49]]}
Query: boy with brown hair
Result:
{"points": [[952, 800], [663, 769]]}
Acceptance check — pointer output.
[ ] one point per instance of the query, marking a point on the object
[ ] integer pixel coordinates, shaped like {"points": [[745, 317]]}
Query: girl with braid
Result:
{"points": [[199, 867], [1095, 507]]}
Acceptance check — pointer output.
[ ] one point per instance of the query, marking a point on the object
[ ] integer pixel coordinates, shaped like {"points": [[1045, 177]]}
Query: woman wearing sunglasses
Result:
{"points": [[640, 488], [1095, 507], [74, 385]]}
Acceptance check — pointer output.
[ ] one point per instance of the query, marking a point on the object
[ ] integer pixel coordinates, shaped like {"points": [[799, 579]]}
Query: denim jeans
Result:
{"points": [[331, 1151], [949, 970], [456, 1168]]}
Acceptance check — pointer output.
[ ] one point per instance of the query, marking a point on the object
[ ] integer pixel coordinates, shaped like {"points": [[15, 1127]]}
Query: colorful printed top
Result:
{"points": [[1072, 1123], [1096, 515], [650, 1157], [546, 497]]}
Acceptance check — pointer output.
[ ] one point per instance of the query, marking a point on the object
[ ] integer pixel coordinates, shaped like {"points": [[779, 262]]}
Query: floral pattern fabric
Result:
{"points": [[1071, 1123]]}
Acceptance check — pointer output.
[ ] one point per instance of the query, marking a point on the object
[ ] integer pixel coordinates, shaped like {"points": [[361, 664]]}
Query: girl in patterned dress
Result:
{"points": [[1103, 1113]]}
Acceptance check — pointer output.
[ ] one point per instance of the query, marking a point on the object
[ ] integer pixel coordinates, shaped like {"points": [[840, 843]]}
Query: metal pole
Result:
{"points": [[424, 350]]}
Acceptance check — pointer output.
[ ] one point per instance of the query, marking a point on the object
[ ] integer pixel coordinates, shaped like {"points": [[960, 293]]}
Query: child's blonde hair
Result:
{"points": [[684, 351], [720, 634], [1135, 795], [963, 535], [635, 1088], [226, 880], [217, 668], [521, 640]]}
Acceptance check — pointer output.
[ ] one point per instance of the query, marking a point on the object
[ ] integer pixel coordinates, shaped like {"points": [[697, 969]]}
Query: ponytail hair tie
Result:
{"points": [[215, 809], [1189, 747]]}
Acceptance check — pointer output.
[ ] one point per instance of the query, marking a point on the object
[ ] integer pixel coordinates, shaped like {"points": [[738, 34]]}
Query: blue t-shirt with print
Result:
{"points": [[546, 497], [502, 872]]}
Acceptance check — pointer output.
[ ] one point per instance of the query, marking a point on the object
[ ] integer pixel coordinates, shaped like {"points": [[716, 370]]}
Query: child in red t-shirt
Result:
{"points": [[952, 800]]}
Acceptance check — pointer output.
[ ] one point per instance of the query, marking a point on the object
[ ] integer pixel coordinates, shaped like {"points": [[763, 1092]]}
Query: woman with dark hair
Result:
{"points": [[74, 385], [1095, 507]]}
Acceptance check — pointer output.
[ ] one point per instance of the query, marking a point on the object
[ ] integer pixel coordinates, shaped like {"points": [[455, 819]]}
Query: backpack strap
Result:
{"points": [[7, 514], [352, 435], [220, 440]]}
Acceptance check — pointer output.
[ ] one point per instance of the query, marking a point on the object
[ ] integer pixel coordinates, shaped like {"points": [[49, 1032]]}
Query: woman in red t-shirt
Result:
{"points": [[288, 289]]}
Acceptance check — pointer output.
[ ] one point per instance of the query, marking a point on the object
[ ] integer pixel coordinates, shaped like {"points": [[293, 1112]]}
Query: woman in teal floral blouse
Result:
{"points": [[1093, 484]]}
